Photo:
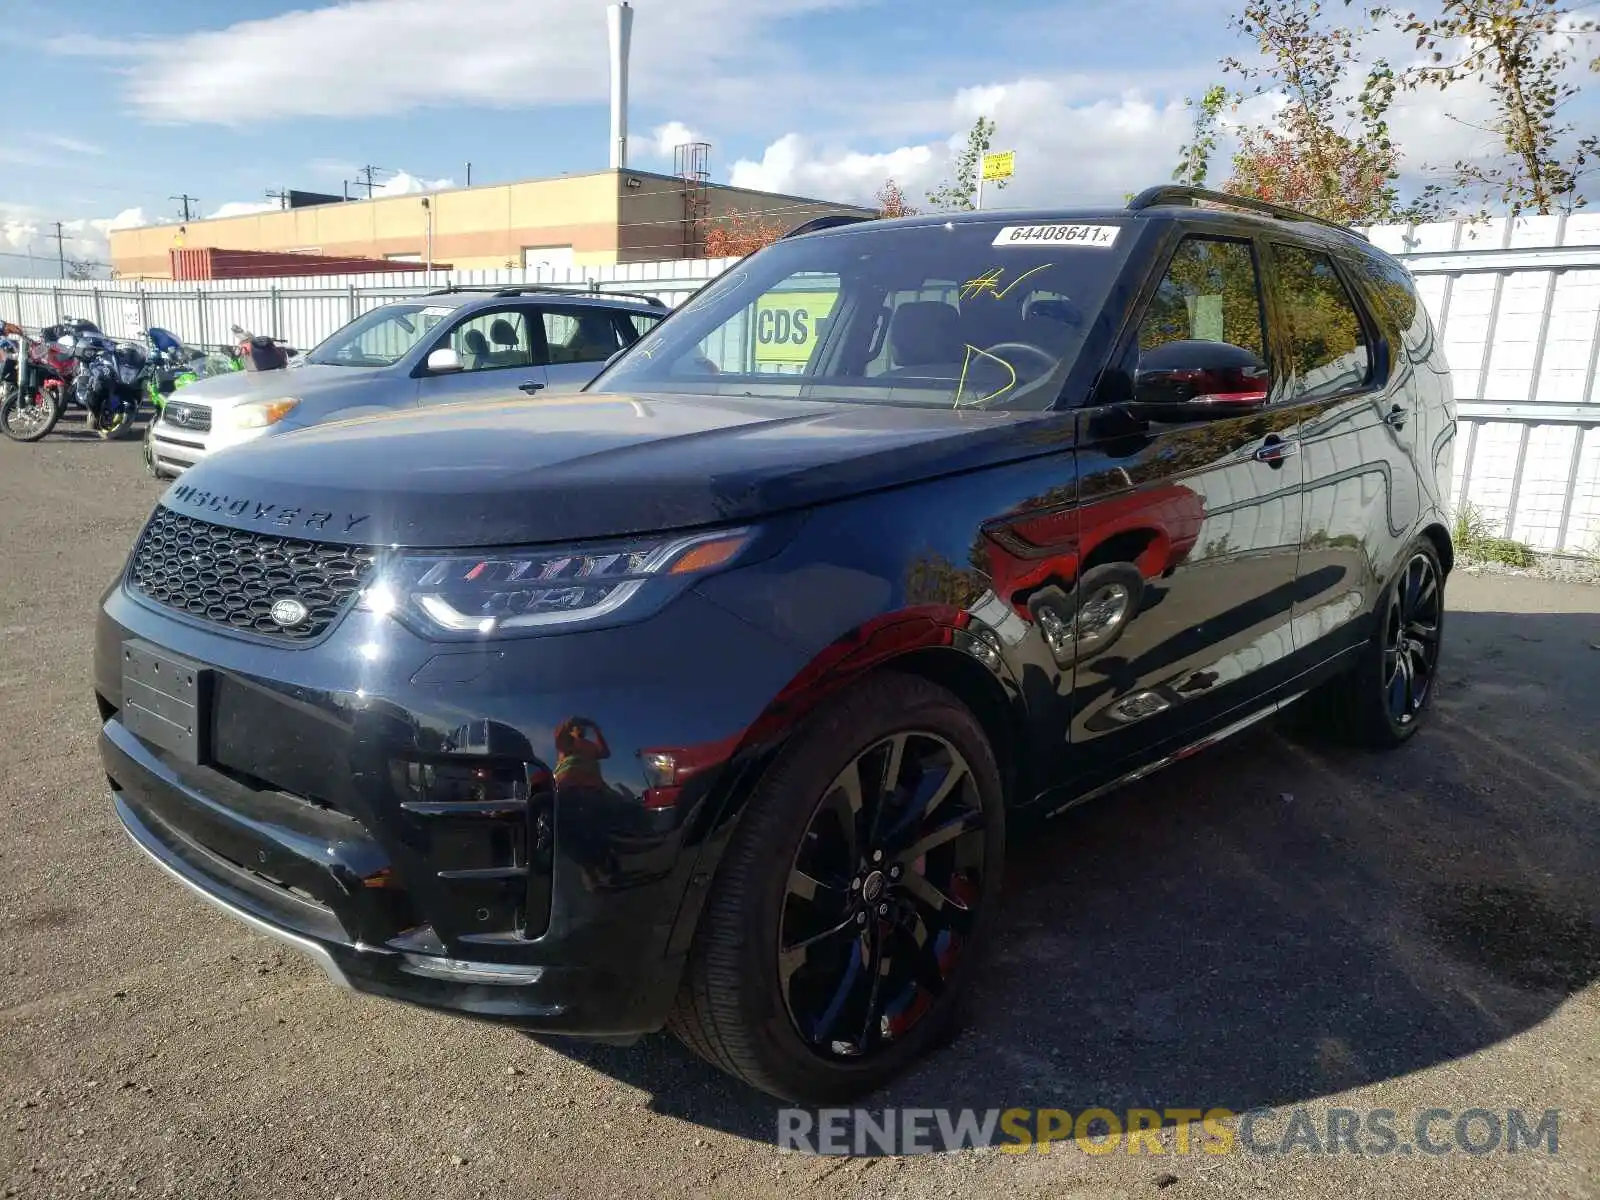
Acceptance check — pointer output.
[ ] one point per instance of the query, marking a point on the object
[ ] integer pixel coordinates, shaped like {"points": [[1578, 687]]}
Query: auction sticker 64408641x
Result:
{"points": [[1102, 237]]}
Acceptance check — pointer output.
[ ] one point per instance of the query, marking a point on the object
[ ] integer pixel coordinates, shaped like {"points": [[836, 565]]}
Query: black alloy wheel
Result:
{"points": [[881, 895], [1411, 639], [848, 913], [1381, 700]]}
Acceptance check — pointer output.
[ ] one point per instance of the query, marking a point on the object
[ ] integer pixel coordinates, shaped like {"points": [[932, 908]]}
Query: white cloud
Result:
{"points": [[29, 242], [795, 165], [402, 183], [128, 218], [661, 141], [383, 57], [1069, 150], [243, 208]]}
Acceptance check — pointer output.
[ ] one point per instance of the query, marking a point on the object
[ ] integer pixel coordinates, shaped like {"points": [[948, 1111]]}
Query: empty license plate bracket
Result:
{"points": [[166, 700]]}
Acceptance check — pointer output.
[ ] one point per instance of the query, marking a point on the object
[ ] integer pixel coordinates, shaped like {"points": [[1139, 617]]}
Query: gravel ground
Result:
{"points": [[1272, 923]]}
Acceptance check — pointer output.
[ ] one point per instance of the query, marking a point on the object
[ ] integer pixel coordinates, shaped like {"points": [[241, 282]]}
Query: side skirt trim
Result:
{"points": [[1189, 751]]}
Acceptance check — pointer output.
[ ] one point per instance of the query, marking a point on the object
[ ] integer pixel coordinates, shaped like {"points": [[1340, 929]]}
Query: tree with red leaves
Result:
{"points": [[1328, 150], [892, 201], [738, 234]]}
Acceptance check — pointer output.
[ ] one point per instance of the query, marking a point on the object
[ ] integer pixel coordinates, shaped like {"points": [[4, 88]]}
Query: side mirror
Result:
{"points": [[443, 361], [1190, 381]]}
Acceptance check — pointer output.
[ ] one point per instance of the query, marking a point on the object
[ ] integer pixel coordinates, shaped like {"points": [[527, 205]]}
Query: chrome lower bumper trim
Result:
{"points": [[158, 855], [430, 966], [457, 971]]}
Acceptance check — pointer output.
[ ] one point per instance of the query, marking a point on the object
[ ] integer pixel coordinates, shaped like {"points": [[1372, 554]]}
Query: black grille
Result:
{"points": [[234, 576], [196, 418]]}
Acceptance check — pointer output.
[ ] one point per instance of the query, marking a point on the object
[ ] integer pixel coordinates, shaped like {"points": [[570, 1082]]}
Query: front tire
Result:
{"points": [[855, 898], [118, 425], [1380, 703], [28, 418]]}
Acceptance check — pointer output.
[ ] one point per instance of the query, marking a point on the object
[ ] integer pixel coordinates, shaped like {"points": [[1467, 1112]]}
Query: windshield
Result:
{"points": [[381, 337], [980, 314]]}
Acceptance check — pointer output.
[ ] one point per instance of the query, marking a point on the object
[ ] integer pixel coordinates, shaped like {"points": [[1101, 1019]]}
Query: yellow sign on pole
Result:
{"points": [[1000, 165]]}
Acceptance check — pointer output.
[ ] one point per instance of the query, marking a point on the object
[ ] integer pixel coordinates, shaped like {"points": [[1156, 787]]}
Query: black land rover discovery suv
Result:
{"points": [[702, 699]]}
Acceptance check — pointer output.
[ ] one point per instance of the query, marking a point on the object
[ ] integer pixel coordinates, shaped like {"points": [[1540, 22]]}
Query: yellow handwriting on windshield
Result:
{"points": [[966, 363], [988, 284]]}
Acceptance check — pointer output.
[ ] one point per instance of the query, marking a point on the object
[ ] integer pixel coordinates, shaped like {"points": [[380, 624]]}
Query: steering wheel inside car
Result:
{"points": [[998, 356], [1046, 360]]}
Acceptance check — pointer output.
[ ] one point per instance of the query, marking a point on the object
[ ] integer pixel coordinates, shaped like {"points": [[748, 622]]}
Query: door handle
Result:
{"points": [[1396, 418], [1275, 449], [530, 386]]}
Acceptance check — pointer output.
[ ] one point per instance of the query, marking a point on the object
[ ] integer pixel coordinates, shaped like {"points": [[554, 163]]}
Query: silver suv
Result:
{"points": [[463, 343]]}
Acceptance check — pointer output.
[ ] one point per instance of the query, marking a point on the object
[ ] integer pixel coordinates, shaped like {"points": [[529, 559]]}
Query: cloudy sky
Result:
{"points": [[227, 99]]}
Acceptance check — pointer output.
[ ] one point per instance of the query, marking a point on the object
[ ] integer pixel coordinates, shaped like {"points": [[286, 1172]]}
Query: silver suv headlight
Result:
{"points": [[259, 414]]}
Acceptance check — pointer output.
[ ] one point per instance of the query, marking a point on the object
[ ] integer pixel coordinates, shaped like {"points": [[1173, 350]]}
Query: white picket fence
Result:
{"points": [[1516, 303]]}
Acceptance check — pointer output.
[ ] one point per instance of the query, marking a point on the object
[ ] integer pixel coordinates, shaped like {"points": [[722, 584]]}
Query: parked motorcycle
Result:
{"points": [[258, 353], [79, 367], [34, 387], [107, 383]]}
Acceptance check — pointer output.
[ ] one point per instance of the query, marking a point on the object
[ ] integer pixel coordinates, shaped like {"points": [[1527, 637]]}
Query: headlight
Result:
{"points": [[475, 594], [261, 413]]}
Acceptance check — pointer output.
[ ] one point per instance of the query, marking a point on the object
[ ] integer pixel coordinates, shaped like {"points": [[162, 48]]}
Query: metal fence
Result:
{"points": [[302, 311], [1516, 303], [1517, 308]]}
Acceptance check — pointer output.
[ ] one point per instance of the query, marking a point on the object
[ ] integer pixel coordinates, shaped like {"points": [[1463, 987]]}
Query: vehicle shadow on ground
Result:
{"points": [[1278, 919]]}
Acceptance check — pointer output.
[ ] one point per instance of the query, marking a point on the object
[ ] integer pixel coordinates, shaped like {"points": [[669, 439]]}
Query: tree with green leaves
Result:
{"points": [[1194, 157], [1328, 149], [959, 192], [1522, 50]]}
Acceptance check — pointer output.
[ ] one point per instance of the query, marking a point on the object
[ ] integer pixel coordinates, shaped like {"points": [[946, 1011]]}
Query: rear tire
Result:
{"points": [[758, 974], [1381, 701]]}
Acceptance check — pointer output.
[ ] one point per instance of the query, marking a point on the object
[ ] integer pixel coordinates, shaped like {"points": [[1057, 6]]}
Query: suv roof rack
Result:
{"points": [[523, 289], [1194, 197], [831, 221]]}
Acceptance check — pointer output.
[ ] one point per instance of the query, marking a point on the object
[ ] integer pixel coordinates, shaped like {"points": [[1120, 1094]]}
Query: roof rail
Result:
{"points": [[524, 289], [831, 221], [1194, 197]]}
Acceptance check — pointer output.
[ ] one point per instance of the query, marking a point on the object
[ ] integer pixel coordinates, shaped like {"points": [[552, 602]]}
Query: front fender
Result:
{"points": [[955, 647]]}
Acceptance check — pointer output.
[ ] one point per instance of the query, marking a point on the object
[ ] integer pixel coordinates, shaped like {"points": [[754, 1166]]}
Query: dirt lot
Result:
{"points": [[1273, 923]]}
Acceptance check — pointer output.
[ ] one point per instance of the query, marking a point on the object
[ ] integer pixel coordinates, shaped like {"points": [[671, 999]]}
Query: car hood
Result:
{"points": [[591, 466], [241, 387]]}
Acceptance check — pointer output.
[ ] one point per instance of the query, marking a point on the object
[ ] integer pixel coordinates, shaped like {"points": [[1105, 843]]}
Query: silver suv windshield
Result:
{"points": [[982, 314], [381, 337]]}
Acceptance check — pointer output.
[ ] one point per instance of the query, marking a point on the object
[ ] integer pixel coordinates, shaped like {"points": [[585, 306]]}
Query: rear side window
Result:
{"points": [[581, 334], [1328, 351], [635, 325], [1395, 294]]}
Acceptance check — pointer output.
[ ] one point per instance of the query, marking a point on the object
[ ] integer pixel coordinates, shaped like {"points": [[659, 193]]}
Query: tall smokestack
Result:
{"points": [[619, 21]]}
